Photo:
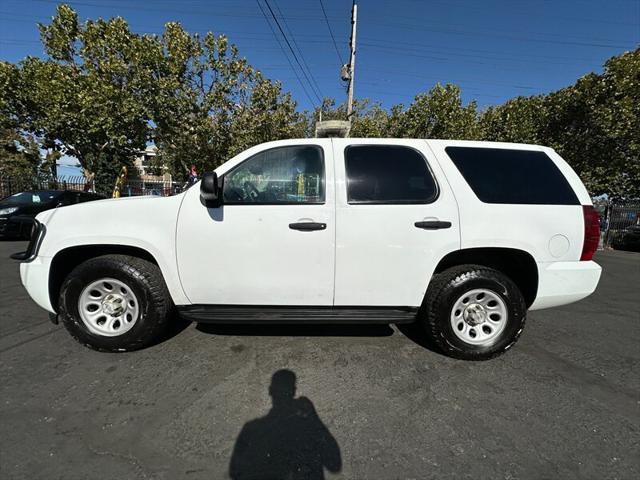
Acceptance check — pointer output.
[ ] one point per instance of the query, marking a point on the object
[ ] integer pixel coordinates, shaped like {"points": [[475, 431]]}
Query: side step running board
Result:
{"points": [[304, 315]]}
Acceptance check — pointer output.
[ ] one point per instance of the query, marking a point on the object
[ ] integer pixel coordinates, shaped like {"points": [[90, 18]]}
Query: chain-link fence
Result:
{"points": [[131, 188]]}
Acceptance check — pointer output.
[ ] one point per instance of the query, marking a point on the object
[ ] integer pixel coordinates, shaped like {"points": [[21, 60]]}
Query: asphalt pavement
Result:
{"points": [[372, 402]]}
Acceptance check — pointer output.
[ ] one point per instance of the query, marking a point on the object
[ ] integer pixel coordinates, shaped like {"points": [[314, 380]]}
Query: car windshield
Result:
{"points": [[30, 198]]}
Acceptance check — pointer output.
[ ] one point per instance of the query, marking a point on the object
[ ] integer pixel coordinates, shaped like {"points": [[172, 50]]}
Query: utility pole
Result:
{"points": [[341, 128], [352, 59]]}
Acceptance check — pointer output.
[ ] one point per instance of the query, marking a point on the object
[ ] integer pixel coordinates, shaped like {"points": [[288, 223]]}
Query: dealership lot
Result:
{"points": [[564, 403]]}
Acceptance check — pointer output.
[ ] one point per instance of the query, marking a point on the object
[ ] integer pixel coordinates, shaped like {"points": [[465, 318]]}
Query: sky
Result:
{"points": [[493, 49]]}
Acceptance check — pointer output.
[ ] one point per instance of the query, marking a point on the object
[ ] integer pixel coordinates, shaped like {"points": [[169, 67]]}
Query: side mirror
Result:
{"points": [[210, 191]]}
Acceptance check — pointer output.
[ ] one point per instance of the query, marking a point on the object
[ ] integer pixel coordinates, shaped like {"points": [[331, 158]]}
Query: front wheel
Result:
{"points": [[115, 303], [473, 312]]}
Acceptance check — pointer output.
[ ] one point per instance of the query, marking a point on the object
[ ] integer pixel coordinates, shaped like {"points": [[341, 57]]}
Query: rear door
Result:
{"points": [[396, 217]]}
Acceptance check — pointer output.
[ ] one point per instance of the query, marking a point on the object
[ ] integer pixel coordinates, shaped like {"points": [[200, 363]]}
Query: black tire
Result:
{"points": [[143, 278], [447, 287]]}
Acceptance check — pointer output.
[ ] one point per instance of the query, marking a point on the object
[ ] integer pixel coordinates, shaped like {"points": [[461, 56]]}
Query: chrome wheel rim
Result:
{"points": [[479, 316], [108, 307]]}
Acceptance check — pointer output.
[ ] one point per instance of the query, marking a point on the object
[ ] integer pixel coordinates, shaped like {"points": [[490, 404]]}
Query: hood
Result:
{"points": [[110, 211], [142, 222]]}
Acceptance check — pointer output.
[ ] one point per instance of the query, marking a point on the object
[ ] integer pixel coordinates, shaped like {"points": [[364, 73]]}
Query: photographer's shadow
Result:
{"points": [[290, 442]]}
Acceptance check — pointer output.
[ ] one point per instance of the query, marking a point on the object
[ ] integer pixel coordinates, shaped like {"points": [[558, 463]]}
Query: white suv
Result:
{"points": [[462, 237]]}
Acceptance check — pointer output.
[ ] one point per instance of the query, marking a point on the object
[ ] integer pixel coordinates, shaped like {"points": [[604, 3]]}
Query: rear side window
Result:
{"points": [[388, 174], [499, 175]]}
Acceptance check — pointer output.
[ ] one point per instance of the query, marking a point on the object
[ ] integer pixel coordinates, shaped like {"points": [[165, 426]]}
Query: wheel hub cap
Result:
{"points": [[108, 307], [114, 305], [474, 314], [479, 316]]}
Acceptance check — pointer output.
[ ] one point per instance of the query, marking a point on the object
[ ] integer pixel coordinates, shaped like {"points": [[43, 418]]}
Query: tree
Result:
{"points": [[211, 104], [367, 120], [20, 152], [439, 113], [104, 93], [518, 120], [595, 125], [20, 156], [269, 115]]}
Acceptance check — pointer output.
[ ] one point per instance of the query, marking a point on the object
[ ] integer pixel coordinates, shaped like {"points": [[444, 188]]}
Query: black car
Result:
{"points": [[630, 240], [18, 211]]}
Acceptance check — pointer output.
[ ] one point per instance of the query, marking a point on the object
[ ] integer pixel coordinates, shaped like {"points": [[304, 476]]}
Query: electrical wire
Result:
{"points": [[295, 44], [335, 45], [264, 14], [290, 47]]}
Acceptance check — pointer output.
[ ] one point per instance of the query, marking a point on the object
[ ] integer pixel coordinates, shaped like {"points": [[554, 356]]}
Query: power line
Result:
{"points": [[489, 33], [501, 63], [246, 35], [335, 45], [264, 14], [290, 47], [385, 23], [293, 39]]}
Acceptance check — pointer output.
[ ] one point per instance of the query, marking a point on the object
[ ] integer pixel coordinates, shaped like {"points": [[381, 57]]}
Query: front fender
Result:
{"points": [[146, 223]]}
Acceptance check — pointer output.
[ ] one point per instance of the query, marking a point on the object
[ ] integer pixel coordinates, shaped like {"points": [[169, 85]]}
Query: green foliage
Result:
{"points": [[104, 92], [519, 120], [439, 113], [20, 152], [212, 104], [20, 155], [595, 126]]}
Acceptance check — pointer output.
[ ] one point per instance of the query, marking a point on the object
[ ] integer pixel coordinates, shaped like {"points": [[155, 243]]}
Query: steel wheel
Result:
{"points": [[108, 307], [479, 316]]}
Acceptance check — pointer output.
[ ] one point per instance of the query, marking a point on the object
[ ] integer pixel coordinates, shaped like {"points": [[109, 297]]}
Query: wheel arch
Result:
{"points": [[517, 264], [65, 260]]}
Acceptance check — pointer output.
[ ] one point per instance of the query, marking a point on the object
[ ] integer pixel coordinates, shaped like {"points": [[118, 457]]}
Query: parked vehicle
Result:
{"points": [[18, 211], [462, 237], [630, 240]]}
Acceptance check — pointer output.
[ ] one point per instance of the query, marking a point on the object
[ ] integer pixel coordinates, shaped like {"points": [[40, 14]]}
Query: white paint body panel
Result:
{"points": [[560, 283], [248, 255], [524, 227], [148, 223], [369, 255], [382, 259], [35, 278]]}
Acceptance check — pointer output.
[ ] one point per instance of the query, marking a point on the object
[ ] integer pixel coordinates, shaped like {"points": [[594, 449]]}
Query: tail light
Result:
{"points": [[591, 232]]}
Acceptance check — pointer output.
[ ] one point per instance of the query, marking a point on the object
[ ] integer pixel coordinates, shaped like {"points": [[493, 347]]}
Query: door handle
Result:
{"points": [[307, 226], [433, 224]]}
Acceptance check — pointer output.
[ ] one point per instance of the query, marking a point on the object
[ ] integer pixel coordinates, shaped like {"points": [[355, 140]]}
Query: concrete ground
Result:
{"points": [[563, 403]]}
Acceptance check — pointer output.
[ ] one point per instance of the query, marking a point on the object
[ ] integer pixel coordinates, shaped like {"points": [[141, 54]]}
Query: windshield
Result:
{"points": [[30, 198]]}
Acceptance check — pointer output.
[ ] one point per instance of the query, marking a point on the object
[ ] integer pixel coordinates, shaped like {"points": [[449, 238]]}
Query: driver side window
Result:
{"points": [[278, 176]]}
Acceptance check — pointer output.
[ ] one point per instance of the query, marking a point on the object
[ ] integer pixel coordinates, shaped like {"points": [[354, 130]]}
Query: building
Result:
{"points": [[148, 169]]}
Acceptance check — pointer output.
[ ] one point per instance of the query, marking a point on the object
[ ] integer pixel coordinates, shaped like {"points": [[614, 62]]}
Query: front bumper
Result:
{"points": [[8, 227], [35, 279], [37, 235], [560, 283]]}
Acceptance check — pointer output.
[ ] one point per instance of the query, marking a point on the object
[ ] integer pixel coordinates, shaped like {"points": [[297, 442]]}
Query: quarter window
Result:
{"points": [[499, 175], [390, 174], [284, 175]]}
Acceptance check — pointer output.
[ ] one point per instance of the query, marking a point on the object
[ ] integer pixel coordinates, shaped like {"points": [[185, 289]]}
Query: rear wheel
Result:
{"points": [[115, 303], [473, 312]]}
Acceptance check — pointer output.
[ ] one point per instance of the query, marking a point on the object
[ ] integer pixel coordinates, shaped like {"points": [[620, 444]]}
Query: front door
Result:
{"points": [[272, 242], [396, 218]]}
